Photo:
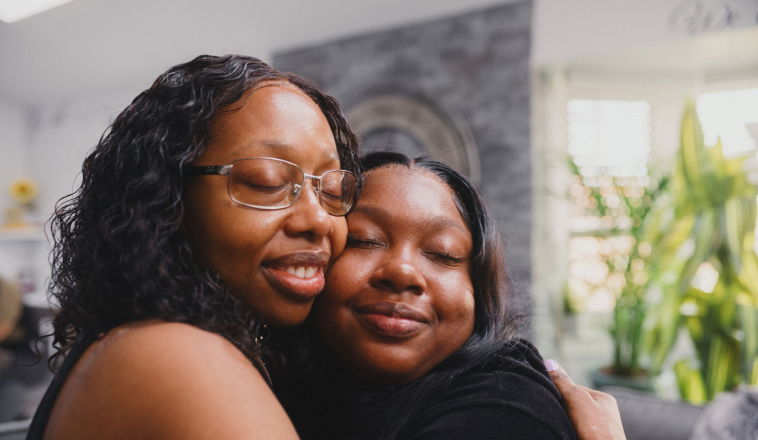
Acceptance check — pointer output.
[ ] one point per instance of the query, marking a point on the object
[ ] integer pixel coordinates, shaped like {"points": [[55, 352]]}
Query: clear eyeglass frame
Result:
{"points": [[297, 188]]}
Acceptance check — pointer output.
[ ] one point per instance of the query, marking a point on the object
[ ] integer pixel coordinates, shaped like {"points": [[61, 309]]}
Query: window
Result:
{"points": [[609, 143], [730, 115], [609, 138]]}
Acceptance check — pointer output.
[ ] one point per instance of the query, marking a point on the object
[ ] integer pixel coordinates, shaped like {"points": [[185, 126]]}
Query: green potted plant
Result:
{"points": [[706, 270], [634, 199]]}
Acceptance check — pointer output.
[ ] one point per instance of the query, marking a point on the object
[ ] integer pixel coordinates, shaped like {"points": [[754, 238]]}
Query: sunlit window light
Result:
{"points": [[609, 142], [592, 286], [15, 10], [726, 115], [705, 278], [609, 138]]}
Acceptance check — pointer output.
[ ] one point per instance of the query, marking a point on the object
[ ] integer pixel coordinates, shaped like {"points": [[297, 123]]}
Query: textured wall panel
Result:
{"points": [[477, 66]]}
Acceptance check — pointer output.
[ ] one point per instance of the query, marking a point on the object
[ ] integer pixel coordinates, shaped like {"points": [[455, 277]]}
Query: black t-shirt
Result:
{"points": [[511, 396], [492, 405]]}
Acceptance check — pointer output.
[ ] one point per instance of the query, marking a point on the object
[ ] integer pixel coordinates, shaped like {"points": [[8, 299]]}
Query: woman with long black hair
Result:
{"points": [[414, 336]]}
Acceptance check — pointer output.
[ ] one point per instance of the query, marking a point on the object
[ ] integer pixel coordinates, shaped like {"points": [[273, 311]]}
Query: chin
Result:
{"points": [[390, 374], [294, 315]]}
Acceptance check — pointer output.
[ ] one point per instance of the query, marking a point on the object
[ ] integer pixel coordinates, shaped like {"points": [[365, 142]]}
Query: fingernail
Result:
{"points": [[551, 365]]}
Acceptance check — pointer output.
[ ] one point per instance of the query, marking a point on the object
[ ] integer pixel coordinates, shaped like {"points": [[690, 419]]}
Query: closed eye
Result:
{"points": [[333, 197], [363, 243], [445, 258], [265, 189]]}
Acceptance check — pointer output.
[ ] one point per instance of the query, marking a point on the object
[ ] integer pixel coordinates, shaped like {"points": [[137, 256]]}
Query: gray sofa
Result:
{"points": [[14, 430], [648, 417]]}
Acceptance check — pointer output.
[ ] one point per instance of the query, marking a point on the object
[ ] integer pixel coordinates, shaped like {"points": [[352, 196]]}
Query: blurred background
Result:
{"points": [[614, 140]]}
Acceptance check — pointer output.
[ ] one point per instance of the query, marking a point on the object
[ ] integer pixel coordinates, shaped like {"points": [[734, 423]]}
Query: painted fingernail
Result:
{"points": [[551, 365]]}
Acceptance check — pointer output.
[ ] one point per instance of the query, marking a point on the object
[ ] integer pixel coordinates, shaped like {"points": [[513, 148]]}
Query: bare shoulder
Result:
{"points": [[168, 380], [170, 342]]}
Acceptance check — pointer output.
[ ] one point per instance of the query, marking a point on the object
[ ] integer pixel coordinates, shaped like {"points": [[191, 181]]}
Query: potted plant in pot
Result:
{"points": [[706, 269], [635, 200]]}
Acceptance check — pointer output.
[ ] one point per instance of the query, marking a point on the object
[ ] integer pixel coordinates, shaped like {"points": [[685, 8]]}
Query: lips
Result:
{"points": [[299, 275], [395, 320]]}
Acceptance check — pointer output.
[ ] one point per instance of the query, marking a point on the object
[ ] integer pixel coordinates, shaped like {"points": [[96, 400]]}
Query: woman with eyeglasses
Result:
{"points": [[212, 207]]}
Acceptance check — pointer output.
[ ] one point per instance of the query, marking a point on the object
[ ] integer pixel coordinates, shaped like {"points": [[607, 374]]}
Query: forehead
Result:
{"points": [[415, 195], [274, 119]]}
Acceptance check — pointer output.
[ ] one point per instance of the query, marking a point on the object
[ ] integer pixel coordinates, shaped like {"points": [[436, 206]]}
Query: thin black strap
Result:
{"points": [[45, 408]]}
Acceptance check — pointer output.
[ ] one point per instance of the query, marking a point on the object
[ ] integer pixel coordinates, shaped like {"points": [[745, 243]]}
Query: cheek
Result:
{"points": [[465, 316], [330, 310], [346, 277], [470, 312], [345, 281], [244, 230], [252, 229], [338, 237], [224, 235], [198, 223], [456, 311]]}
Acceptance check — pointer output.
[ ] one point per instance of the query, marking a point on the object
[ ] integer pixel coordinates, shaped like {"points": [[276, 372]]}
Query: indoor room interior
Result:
{"points": [[614, 141]]}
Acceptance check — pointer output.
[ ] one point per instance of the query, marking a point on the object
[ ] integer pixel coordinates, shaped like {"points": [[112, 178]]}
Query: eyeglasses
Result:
{"points": [[269, 183]]}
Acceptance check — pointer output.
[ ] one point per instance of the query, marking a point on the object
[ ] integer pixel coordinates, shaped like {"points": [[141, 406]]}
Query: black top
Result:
{"points": [[45, 408], [511, 396], [492, 405]]}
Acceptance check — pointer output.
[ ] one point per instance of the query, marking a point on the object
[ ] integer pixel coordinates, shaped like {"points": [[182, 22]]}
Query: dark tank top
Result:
{"points": [[45, 408]]}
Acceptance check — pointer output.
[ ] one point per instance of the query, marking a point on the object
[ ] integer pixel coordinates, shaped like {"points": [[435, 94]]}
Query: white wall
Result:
{"points": [[13, 164], [566, 29], [13, 152], [49, 145], [60, 137]]}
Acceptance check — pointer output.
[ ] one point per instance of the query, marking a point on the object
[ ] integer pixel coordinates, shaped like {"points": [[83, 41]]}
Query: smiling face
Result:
{"points": [[273, 260], [399, 300]]}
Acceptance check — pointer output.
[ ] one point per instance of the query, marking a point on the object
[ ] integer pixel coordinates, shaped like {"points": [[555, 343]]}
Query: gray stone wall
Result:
{"points": [[477, 64]]}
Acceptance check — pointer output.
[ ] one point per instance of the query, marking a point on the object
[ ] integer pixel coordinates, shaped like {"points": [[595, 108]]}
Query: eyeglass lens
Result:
{"points": [[337, 191], [276, 184]]}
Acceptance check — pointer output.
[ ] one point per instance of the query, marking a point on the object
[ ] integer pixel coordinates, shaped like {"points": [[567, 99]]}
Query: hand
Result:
{"points": [[594, 414]]}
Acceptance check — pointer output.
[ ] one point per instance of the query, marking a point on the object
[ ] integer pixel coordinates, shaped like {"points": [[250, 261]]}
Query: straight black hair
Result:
{"points": [[314, 389]]}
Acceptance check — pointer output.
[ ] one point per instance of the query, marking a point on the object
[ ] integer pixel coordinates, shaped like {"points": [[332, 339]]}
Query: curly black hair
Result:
{"points": [[119, 253]]}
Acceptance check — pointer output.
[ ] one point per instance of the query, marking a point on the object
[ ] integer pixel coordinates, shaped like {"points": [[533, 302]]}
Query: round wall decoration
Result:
{"points": [[415, 127]]}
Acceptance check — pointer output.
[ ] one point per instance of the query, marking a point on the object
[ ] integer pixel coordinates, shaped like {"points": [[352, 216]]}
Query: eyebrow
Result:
{"points": [[328, 156], [439, 221]]}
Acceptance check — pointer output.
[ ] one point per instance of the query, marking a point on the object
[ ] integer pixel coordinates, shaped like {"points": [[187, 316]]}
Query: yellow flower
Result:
{"points": [[23, 190]]}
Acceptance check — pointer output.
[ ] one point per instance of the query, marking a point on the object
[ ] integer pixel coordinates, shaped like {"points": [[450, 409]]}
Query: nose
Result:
{"points": [[399, 275], [307, 217]]}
